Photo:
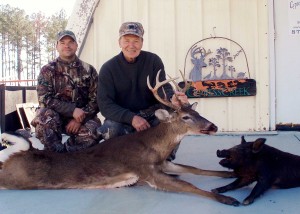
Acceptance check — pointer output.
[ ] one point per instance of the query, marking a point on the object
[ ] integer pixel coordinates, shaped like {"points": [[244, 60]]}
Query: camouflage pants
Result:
{"points": [[49, 127], [111, 129]]}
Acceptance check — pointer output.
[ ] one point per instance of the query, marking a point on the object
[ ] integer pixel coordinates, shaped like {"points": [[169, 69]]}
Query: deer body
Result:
{"points": [[121, 161], [128, 153]]}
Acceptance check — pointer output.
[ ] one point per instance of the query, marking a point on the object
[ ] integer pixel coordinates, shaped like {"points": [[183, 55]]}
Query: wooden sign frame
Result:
{"points": [[221, 88]]}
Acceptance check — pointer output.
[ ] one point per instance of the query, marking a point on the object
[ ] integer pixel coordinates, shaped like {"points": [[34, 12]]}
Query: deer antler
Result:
{"points": [[183, 90], [157, 86]]}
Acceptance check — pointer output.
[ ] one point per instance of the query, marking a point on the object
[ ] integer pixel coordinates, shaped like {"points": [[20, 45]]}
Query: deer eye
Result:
{"points": [[186, 117]]}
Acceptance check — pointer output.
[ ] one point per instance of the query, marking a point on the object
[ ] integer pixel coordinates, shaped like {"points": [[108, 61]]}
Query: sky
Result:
{"points": [[48, 7]]}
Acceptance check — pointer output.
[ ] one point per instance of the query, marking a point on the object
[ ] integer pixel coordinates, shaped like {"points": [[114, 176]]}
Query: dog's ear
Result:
{"points": [[243, 139], [258, 145]]}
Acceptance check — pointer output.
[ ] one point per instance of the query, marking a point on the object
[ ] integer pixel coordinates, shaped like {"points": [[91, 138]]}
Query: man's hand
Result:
{"points": [[78, 115], [73, 127], [179, 96], [140, 123]]}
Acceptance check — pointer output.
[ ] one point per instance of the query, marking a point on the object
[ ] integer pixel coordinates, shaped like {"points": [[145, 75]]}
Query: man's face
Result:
{"points": [[131, 46], [66, 48]]}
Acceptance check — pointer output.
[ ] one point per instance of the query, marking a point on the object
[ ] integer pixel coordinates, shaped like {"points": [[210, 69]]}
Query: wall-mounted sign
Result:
{"points": [[222, 88], [294, 17], [218, 67]]}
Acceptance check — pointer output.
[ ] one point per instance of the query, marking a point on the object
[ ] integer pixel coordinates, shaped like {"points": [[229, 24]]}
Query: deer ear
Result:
{"points": [[194, 106], [258, 145], [162, 114]]}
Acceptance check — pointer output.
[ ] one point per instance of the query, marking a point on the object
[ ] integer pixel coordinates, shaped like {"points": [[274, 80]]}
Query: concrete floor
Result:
{"points": [[199, 151]]}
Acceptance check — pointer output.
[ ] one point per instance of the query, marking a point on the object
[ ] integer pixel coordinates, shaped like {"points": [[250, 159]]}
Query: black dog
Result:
{"points": [[255, 161]]}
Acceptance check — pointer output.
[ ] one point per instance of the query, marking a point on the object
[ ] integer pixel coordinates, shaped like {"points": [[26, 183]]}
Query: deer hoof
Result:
{"points": [[233, 202]]}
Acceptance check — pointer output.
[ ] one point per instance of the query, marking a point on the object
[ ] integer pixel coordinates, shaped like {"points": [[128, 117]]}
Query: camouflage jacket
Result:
{"points": [[65, 86]]}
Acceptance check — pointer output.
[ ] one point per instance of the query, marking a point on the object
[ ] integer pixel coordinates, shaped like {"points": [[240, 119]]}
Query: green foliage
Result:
{"points": [[27, 41]]}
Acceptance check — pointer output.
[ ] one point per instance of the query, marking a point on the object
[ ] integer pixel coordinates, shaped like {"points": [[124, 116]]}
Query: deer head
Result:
{"points": [[196, 72], [199, 50], [185, 115]]}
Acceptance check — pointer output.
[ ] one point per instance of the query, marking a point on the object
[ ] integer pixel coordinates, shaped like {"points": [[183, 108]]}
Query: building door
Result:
{"points": [[287, 62]]}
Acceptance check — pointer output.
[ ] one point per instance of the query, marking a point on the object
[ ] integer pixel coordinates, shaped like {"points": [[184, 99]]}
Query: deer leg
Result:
{"points": [[121, 180], [168, 183], [170, 167]]}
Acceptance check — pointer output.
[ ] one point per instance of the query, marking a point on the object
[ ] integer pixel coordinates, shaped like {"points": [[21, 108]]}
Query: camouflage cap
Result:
{"points": [[134, 28], [64, 33]]}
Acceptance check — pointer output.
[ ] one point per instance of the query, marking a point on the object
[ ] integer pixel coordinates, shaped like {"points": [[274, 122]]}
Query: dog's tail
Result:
{"points": [[16, 143]]}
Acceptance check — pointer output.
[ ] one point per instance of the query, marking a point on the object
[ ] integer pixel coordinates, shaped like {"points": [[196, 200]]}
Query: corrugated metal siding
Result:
{"points": [[172, 26]]}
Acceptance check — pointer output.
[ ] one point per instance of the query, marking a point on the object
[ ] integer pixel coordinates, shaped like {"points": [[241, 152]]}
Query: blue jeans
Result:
{"points": [[111, 129]]}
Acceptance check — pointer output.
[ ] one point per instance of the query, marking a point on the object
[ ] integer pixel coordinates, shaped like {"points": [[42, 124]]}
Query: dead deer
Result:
{"points": [[117, 162]]}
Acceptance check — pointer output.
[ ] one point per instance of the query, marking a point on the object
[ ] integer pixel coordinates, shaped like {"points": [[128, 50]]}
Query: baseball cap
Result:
{"points": [[134, 28], [64, 33]]}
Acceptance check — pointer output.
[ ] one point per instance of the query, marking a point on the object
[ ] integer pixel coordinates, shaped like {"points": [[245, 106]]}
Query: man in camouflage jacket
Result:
{"points": [[67, 97]]}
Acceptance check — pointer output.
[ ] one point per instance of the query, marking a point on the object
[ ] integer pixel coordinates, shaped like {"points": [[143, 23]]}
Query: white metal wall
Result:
{"points": [[172, 26], [287, 64]]}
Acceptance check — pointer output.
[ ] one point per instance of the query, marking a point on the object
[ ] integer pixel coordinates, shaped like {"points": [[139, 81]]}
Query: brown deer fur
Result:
{"points": [[121, 161], [117, 162]]}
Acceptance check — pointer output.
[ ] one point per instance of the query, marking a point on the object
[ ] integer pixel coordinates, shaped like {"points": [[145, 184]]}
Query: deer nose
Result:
{"points": [[213, 128]]}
